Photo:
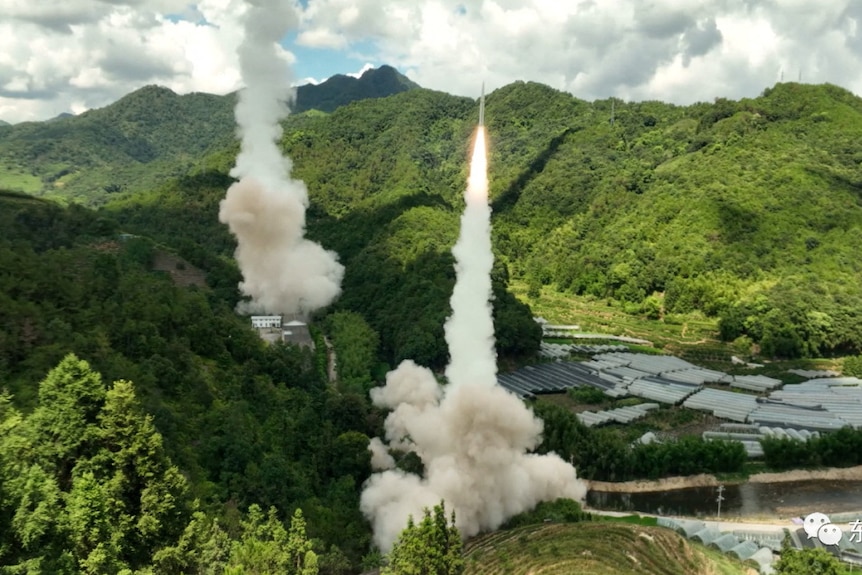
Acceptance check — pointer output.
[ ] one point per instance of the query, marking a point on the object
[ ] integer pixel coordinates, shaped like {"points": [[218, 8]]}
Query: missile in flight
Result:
{"points": [[482, 106]]}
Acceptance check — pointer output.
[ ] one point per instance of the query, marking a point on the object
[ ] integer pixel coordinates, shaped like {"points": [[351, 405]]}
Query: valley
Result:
{"points": [[711, 231]]}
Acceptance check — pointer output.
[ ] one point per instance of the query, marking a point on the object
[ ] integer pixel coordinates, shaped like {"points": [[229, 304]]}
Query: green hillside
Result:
{"points": [[743, 215], [246, 423], [744, 212], [748, 211], [594, 549], [339, 90], [147, 138], [391, 218]]}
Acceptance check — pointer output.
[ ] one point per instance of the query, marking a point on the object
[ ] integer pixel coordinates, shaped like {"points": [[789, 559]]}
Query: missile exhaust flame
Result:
{"points": [[473, 437], [477, 183]]}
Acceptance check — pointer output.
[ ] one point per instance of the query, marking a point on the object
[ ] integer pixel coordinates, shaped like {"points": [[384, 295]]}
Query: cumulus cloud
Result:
{"points": [[78, 54], [677, 50]]}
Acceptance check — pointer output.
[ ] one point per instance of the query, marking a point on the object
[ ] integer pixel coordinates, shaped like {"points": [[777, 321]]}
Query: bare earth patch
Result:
{"points": [[707, 480], [644, 486], [182, 272], [834, 474]]}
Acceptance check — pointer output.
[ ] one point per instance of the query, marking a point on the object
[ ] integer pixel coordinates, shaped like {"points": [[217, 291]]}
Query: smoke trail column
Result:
{"points": [[470, 329], [475, 439], [282, 271]]}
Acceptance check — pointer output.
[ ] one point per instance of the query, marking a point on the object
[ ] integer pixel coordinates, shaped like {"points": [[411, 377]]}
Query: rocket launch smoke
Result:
{"points": [[282, 271], [473, 436]]}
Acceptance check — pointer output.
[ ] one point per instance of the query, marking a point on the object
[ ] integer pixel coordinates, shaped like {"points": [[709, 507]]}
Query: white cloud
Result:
{"points": [[321, 38], [680, 50], [89, 53], [306, 80], [56, 54], [362, 70]]}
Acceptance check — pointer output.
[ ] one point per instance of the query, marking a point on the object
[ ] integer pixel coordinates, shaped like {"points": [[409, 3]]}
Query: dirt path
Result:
{"points": [[331, 361], [835, 474], [706, 480], [645, 486]]}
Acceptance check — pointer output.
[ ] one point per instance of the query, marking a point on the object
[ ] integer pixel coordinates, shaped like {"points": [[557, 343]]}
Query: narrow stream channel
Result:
{"points": [[779, 500]]}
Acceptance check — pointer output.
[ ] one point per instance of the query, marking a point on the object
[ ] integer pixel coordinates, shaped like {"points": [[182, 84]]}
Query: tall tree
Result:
{"points": [[433, 547], [148, 491], [267, 548], [66, 420]]}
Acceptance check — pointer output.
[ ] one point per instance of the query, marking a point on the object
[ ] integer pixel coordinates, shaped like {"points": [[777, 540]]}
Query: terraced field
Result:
{"points": [[600, 548]]}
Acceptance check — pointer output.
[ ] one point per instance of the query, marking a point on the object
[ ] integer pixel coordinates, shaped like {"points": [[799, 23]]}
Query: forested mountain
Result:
{"points": [[386, 196], [87, 484], [339, 90], [148, 137], [747, 211]]}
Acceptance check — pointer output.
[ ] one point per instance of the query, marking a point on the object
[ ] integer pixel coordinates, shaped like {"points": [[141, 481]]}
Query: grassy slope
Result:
{"points": [[707, 206], [772, 174], [148, 137], [594, 549]]}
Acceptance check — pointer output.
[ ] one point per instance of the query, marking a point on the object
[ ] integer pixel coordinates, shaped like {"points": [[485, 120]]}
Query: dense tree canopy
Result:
{"points": [[841, 448], [745, 211], [810, 561], [605, 455], [246, 423], [431, 547]]}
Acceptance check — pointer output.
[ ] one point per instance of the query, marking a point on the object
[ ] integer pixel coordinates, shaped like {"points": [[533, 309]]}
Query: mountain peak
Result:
{"points": [[341, 89], [387, 71]]}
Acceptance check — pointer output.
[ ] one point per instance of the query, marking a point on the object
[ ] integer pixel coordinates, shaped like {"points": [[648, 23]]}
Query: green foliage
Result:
{"points": [[587, 394], [842, 448], [116, 502], [433, 547], [604, 455], [147, 138], [810, 561], [560, 511], [356, 346], [245, 422], [89, 482], [266, 547], [853, 366]]}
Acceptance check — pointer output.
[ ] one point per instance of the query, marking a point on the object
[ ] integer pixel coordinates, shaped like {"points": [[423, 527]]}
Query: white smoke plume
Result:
{"points": [[472, 436], [282, 271], [380, 457]]}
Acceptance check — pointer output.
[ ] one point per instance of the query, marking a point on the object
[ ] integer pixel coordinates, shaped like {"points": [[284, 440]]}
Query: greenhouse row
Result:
{"points": [[618, 415]]}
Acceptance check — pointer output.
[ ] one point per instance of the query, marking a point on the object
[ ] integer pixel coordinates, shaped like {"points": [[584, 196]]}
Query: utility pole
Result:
{"points": [[720, 498]]}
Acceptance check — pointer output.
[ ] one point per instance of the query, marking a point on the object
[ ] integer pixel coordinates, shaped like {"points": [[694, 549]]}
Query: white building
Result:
{"points": [[262, 321]]}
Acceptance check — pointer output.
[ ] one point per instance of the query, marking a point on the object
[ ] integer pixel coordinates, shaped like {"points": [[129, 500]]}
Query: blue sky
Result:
{"points": [[320, 63]]}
